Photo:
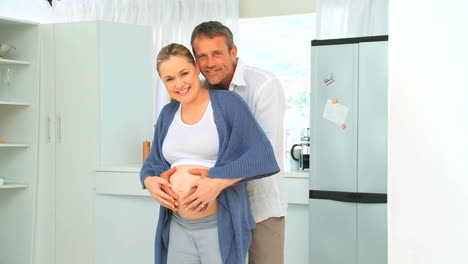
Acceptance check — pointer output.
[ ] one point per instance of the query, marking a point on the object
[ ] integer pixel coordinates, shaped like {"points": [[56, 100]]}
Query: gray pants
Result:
{"points": [[194, 241]]}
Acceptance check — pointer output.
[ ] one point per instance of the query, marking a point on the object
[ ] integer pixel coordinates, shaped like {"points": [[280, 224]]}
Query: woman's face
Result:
{"points": [[180, 78]]}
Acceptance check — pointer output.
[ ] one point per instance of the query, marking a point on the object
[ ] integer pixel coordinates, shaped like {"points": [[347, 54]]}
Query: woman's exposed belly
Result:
{"points": [[180, 182]]}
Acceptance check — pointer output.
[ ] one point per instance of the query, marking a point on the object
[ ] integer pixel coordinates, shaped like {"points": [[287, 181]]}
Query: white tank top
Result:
{"points": [[192, 144]]}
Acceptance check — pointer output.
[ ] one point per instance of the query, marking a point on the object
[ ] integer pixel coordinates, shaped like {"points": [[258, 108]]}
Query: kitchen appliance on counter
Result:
{"points": [[303, 155]]}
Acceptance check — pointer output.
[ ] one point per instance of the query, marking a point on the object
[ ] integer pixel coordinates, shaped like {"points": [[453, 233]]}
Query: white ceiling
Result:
{"points": [[261, 8]]}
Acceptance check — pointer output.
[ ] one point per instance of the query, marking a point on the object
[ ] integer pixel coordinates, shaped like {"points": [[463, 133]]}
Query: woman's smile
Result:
{"points": [[183, 91]]}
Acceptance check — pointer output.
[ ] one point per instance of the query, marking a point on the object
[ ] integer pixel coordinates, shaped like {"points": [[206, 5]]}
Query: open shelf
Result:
{"points": [[7, 61], [13, 145], [19, 127], [12, 185], [12, 21], [14, 103]]}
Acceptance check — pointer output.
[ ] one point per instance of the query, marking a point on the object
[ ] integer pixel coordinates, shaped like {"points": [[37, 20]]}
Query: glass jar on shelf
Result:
{"points": [[6, 92]]}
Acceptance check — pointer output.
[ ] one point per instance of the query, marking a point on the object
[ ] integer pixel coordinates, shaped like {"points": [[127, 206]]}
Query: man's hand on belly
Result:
{"points": [[204, 191]]}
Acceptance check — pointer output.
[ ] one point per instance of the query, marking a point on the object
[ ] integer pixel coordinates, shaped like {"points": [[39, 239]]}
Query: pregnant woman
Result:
{"points": [[211, 130]]}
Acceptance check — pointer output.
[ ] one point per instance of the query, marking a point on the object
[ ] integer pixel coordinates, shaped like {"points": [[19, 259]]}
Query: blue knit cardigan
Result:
{"points": [[244, 152]]}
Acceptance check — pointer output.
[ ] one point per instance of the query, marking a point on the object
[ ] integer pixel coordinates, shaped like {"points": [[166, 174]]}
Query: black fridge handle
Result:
{"points": [[349, 197]]}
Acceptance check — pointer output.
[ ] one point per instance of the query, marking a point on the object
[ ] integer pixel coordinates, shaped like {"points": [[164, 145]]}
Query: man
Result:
{"points": [[216, 56]]}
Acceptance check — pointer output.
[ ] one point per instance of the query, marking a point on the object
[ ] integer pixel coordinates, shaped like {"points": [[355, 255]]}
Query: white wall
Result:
{"points": [[428, 132], [261, 8]]}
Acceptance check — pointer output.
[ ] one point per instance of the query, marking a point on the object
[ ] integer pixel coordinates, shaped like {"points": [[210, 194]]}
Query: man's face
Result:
{"points": [[216, 63]]}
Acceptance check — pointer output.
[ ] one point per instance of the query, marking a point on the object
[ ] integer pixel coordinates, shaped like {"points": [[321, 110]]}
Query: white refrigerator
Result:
{"points": [[348, 169]]}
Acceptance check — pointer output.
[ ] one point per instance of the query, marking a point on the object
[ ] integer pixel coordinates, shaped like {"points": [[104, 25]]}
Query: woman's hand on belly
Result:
{"points": [[159, 188]]}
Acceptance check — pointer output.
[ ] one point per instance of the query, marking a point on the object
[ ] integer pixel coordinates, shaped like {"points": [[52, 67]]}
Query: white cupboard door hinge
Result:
{"points": [[59, 130], [48, 129]]}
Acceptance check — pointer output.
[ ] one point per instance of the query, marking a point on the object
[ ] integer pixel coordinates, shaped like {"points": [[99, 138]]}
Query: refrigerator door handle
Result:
{"points": [[349, 197]]}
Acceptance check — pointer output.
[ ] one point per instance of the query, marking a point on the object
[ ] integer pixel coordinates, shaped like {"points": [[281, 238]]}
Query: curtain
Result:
{"points": [[29, 10], [171, 20], [351, 18]]}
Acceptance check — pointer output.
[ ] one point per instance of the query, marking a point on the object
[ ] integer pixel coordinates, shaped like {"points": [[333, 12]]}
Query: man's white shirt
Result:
{"points": [[264, 95]]}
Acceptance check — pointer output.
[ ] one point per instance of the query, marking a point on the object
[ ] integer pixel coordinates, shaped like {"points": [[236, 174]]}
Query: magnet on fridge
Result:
{"points": [[328, 79]]}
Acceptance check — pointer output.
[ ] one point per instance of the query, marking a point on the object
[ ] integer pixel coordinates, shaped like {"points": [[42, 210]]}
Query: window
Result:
{"points": [[282, 45]]}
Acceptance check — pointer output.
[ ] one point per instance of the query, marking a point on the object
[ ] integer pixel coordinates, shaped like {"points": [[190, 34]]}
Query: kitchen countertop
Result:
{"points": [[124, 180], [135, 168]]}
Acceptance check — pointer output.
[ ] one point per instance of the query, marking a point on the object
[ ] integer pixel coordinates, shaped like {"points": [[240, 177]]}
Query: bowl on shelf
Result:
{"points": [[5, 48]]}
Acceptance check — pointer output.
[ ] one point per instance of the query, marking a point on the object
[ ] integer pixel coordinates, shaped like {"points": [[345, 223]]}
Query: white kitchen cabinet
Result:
{"points": [[124, 210], [96, 109], [294, 188], [19, 108]]}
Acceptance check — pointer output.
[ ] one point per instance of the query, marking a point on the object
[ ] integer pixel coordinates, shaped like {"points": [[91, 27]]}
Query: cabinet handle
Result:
{"points": [[48, 129], [59, 129]]}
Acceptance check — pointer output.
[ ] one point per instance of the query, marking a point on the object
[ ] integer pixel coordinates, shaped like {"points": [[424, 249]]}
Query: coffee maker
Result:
{"points": [[304, 153]]}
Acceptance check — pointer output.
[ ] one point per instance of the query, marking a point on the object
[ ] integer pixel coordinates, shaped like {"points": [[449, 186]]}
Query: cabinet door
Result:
{"points": [[372, 233], [334, 149], [77, 148], [372, 135], [44, 251], [332, 232], [296, 244], [125, 227]]}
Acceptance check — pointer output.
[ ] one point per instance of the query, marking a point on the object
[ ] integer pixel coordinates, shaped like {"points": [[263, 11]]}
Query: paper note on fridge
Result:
{"points": [[335, 113]]}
